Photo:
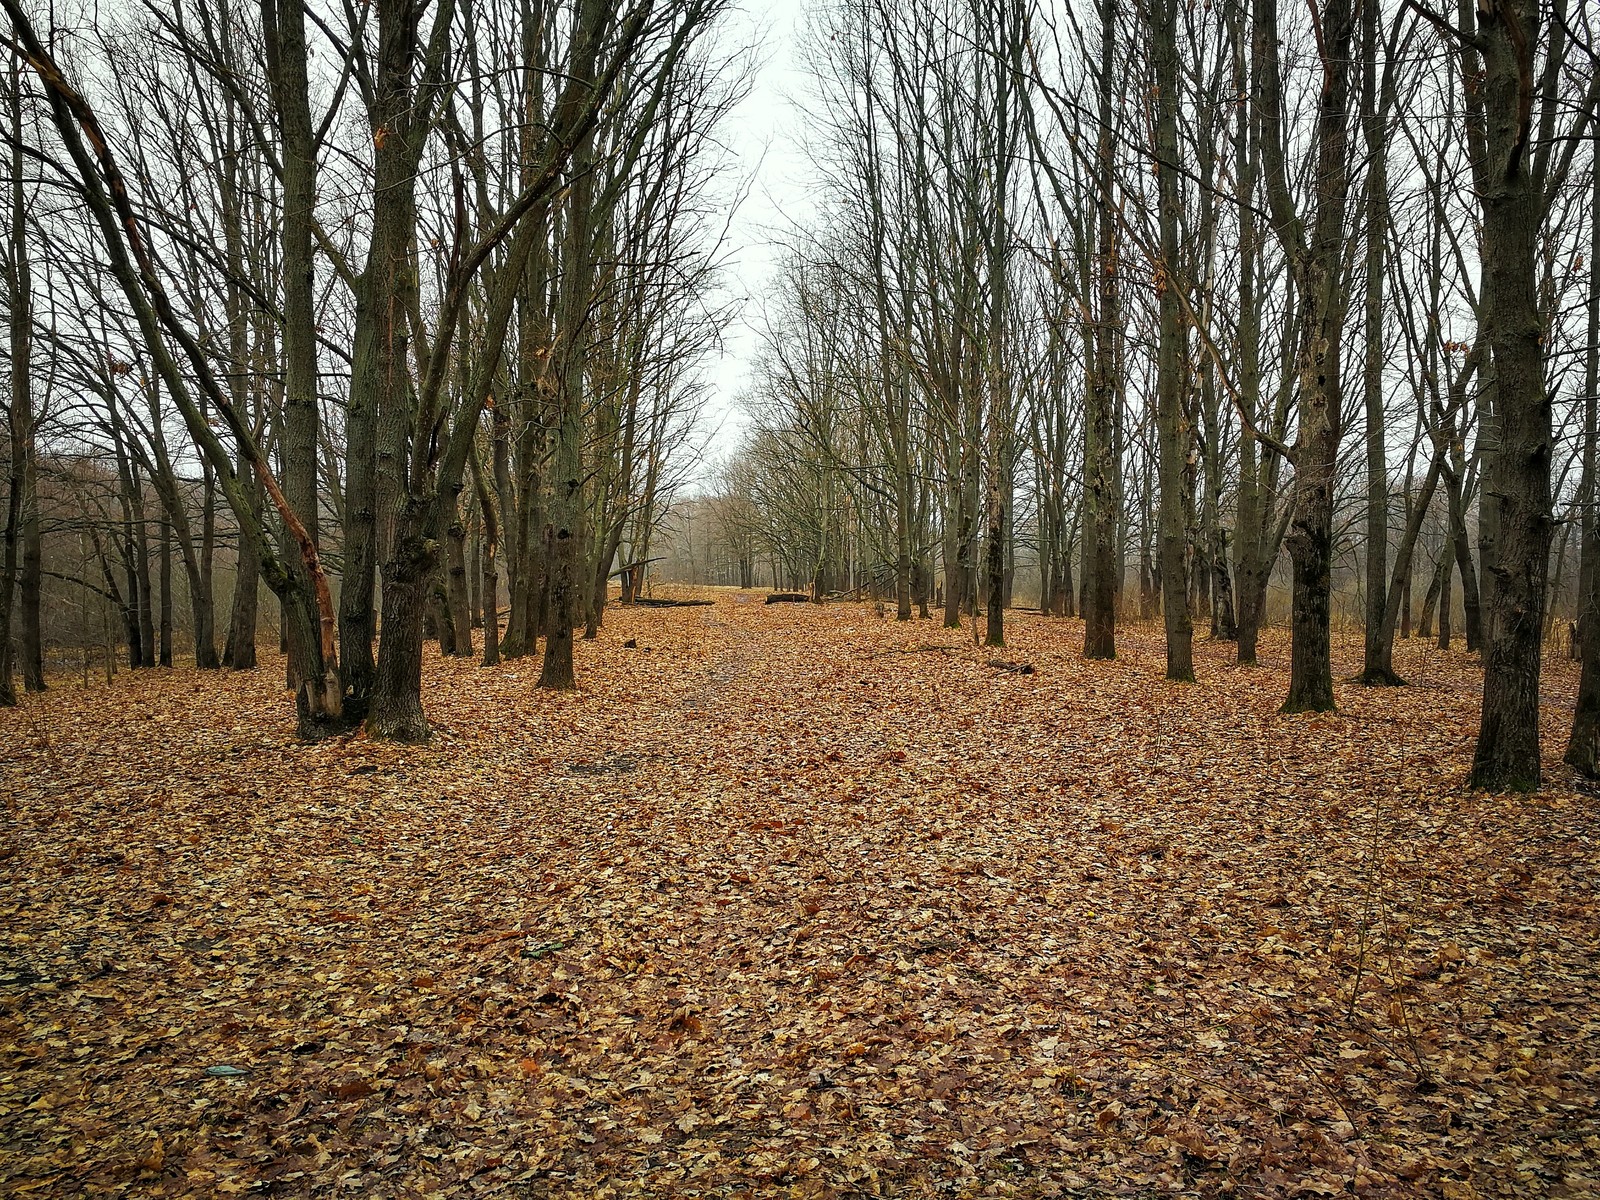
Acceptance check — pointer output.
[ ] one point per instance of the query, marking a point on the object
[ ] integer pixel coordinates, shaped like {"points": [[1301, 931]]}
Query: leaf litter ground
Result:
{"points": [[797, 901]]}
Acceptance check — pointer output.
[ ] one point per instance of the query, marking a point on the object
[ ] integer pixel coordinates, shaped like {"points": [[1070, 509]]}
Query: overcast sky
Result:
{"points": [[766, 132]]}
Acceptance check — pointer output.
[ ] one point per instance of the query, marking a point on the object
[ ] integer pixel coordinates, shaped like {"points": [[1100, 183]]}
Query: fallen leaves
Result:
{"points": [[790, 906]]}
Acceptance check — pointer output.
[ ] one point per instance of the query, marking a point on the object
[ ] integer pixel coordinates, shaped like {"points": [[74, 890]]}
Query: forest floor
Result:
{"points": [[798, 901]]}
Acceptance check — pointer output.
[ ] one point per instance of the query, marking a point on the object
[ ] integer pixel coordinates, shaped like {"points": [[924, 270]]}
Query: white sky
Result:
{"points": [[767, 134]]}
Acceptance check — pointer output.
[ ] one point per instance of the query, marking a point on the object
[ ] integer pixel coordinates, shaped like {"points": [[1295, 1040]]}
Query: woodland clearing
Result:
{"points": [[795, 900]]}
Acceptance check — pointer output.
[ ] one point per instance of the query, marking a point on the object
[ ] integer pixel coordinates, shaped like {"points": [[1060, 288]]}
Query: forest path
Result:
{"points": [[795, 900]]}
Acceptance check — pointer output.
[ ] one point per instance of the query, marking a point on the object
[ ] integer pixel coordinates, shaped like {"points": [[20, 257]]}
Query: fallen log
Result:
{"points": [[1011, 667]]}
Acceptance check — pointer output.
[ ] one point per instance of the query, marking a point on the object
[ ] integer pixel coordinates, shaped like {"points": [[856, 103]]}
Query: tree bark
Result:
{"points": [[165, 658], [491, 573], [1517, 485], [1461, 544], [1583, 743], [1101, 472], [1445, 604], [1172, 433], [1317, 255], [396, 712], [19, 281], [141, 559], [284, 40], [456, 575], [1378, 644], [576, 288], [1252, 558]]}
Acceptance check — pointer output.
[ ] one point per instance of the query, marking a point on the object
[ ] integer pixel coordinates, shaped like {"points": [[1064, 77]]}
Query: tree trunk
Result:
{"points": [[377, 415], [1396, 592], [600, 592], [1461, 542], [491, 573], [166, 594], [1378, 645], [141, 558], [952, 556], [126, 548], [475, 564], [287, 59], [1517, 486], [396, 709], [1583, 744], [1172, 435], [239, 652], [460, 602], [1445, 604], [436, 619], [576, 289], [31, 635], [1310, 541], [1318, 257], [527, 569], [1430, 599], [1102, 499], [1254, 510], [20, 407], [239, 644], [1225, 621], [902, 532], [202, 599], [995, 560]]}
